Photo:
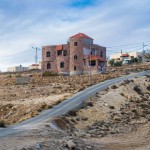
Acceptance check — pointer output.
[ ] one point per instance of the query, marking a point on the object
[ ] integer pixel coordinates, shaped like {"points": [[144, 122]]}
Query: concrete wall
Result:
{"points": [[17, 69]]}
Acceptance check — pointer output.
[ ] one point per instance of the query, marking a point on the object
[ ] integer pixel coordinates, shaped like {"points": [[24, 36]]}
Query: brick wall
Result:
{"points": [[65, 59], [71, 65], [52, 59], [78, 51]]}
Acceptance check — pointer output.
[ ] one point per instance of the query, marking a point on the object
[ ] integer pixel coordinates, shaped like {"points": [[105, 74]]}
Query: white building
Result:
{"points": [[17, 69], [122, 56], [35, 66]]}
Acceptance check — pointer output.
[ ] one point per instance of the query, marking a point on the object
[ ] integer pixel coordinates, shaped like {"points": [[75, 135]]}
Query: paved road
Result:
{"points": [[74, 102]]}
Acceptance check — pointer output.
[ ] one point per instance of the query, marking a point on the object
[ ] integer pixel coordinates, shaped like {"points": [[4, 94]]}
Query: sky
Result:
{"points": [[35, 23]]}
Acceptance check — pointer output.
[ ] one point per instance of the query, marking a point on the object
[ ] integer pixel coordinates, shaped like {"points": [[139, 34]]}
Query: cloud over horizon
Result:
{"points": [[27, 23]]}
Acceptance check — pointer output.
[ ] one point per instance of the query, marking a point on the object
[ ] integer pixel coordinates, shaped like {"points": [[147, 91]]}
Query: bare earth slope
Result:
{"points": [[117, 118]]}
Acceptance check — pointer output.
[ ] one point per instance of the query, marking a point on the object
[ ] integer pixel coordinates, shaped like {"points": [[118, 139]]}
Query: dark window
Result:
{"points": [[65, 53], [101, 53], [62, 65], [59, 53], [93, 52], [92, 62], [48, 54], [75, 43], [48, 66], [75, 68], [84, 63], [75, 57]]}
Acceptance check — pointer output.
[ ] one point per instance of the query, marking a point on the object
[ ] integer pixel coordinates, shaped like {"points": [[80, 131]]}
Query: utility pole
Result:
{"points": [[143, 50], [90, 64], [121, 51], [144, 47], [36, 56]]}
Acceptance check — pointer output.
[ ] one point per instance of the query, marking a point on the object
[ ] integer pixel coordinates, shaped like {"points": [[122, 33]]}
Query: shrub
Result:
{"points": [[9, 76], [45, 106], [18, 75], [122, 94], [90, 104], [47, 73], [144, 106], [72, 113], [118, 63], [111, 107], [133, 60], [114, 87], [148, 88], [138, 90], [111, 62], [2, 124]]}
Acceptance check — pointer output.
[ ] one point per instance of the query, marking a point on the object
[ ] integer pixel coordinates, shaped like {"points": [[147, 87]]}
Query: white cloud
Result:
{"points": [[41, 23]]}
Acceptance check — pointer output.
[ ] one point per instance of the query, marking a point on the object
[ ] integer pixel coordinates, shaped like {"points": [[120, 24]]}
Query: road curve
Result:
{"points": [[75, 101]]}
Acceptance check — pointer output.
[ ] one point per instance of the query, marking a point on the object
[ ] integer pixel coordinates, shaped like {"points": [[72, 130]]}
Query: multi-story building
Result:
{"points": [[78, 56]]}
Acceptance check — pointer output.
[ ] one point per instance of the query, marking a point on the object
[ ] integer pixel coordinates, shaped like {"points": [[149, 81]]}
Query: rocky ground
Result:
{"points": [[122, 110], [116, 118], [20, 102]]}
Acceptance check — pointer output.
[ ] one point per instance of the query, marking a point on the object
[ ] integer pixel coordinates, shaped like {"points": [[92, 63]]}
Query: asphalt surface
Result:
{"points": [[72, 103]]}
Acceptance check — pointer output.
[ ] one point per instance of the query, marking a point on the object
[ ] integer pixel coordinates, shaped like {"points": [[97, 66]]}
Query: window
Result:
{"points": [[101, 54], [48, 54], [65, 53], [75, 68], [59, 53], [75, 57], [62, 65], [48, 66], [84, 63], [93, 63], [75, 43], [93, 52]]}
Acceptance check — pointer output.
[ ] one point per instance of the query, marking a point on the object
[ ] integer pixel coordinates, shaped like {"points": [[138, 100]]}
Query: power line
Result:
{"points": [[127, 44], [17, 53], [113, 50]]}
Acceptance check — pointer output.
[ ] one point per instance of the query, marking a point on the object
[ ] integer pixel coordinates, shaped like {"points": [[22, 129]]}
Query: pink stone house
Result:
{"points": [[78, 56]]}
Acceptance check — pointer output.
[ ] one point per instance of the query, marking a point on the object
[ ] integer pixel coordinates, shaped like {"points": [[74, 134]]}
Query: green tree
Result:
{"points": [[111, 62], [118, 63], [133, 60]]}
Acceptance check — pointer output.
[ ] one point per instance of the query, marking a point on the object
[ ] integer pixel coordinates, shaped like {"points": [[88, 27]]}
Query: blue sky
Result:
{"points": [[27, 23]]}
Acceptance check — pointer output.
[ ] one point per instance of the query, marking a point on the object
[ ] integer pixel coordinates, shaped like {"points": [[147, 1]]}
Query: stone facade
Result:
{"points": [[74, 57]]}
